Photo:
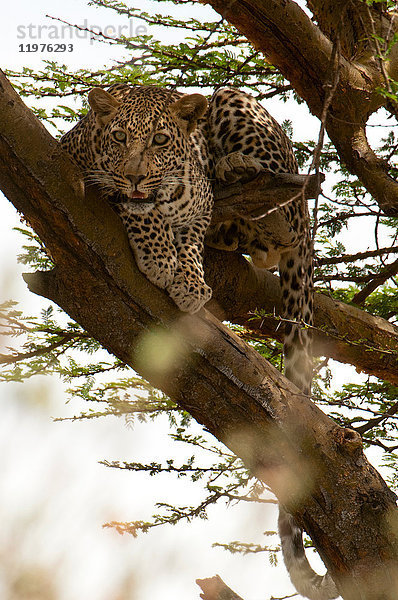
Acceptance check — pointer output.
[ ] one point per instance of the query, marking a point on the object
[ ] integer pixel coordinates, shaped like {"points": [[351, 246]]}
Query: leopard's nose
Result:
{"points": [[135, 179]]}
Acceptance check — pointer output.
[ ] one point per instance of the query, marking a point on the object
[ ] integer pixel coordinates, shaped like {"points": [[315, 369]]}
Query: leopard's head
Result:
{"points": [[142, 142]]}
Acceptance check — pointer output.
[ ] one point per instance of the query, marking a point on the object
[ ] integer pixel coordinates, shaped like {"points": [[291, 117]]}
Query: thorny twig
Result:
{"points": [[375, 282], [377, 420]]}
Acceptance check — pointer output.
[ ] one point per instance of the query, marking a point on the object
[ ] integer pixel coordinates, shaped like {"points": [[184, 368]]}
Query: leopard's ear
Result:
{"points": [[189, 109], [103, 104]]}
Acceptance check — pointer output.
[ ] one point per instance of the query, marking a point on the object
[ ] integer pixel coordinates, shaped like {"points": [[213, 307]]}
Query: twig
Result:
{"points": [[377, 420], [8, 359], [354, 278], [332, 86], [344, 258], [381, 445], [381, 278]]}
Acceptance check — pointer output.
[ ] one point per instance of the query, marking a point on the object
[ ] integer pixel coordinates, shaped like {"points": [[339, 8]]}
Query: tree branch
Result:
{"points": [[377, 420], [341, 331], [291, 41], [214, 588], [344, 258], [262, 195], [355, 21], [379, 279]]}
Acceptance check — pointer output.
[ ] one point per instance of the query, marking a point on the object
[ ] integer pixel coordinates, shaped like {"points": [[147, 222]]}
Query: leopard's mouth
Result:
{"points": [[135, 198], [141, 198]]}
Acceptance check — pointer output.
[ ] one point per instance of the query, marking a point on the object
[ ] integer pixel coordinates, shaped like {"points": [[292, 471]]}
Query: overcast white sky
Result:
{"points": [[54, 496]]}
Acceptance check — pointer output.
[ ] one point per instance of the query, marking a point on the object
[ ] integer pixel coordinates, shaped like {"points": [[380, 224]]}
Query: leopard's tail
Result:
{"points": [[295, 270], [307, 583], [296, 279]]}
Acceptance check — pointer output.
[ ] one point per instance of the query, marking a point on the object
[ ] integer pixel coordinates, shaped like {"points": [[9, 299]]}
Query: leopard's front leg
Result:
{"points": [[171, 260], [152, 241], [189, 289]]}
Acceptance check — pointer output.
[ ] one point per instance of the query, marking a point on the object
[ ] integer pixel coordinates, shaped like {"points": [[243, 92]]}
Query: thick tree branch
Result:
{"points": [[294, 44], [316, 468], [263, 195], [355, 21], [342, 331], [353, 148]]}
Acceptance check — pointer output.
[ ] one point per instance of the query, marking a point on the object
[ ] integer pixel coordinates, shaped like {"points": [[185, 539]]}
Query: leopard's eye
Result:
{"points": [[119, 136], [160, 139]]}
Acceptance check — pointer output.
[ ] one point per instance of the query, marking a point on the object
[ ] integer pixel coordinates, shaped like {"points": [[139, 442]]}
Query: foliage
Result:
{"points": [[208, 54]]}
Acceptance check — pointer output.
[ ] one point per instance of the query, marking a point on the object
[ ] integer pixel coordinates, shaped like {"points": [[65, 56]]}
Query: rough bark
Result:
{"points": [[263, 195], [342, 331], [353, 21], [303, 52], [214, 588], [317, 469]]}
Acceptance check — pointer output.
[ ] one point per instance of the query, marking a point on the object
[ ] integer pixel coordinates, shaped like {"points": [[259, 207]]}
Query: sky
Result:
{"points": [[54, 495]]}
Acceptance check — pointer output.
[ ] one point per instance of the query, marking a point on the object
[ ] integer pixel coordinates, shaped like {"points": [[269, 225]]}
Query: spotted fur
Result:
{"points": [[244, 140], [308, 583], [156, 154]]}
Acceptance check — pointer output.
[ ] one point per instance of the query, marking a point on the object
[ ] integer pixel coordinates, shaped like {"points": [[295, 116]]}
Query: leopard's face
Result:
{"points": [[137, 160], [142, 147]]}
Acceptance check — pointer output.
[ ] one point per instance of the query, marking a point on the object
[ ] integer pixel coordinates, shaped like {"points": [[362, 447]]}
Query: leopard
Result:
{"points": [[156, 155]]}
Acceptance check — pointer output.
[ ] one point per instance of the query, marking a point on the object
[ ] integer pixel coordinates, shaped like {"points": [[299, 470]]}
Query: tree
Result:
{"points": [[362, 44]]}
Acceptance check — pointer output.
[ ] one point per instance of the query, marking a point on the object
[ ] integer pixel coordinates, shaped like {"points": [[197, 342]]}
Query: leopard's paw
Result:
{"points": [[160, 274], [189, 294], [237, 167]]}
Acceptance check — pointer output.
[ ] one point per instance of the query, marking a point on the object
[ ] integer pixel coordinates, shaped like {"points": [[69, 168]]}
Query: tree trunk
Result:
{"points": [[316, 469], [304, 55]]}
